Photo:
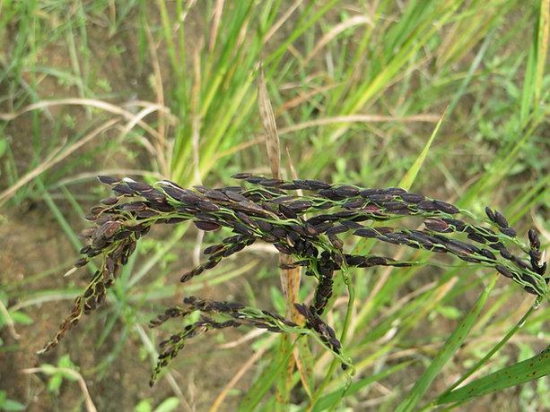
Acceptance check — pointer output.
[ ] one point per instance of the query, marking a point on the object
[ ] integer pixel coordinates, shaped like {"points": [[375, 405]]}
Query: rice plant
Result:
{"points": [[165, 90]]}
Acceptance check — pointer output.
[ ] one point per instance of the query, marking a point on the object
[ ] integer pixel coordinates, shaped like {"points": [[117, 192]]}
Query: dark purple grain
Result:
{"points": [[412, 197], [490, 214], [366, 232], [291, 186], [346, 191], [504, 271], [316, 184], [477, 238], [287, 212], [300, 205], [438, 225], [505, 253], [271, 182], [108, 180], [459, 225], [242, 176], [446, 207], [206, 226], [234, 196], [488, 254], [123, 189], [331, 194], [500, 220], [336, 230], [533, 239], [428, 206], [350, 224], [109, 201], [508, 231], [369, 192], [380, 199]]}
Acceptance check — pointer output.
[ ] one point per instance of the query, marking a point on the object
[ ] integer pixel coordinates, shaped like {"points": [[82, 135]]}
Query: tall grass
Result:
{"points": [[357, 91]]}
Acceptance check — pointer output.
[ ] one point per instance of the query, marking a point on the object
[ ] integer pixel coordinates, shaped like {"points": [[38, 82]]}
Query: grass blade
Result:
{"points": [[334, 398], [522, 372], [407, 180], [264, 382], [452, 345]]}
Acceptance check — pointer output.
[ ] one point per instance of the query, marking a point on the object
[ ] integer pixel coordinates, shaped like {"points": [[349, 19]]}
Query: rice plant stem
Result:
{"points": [[351, 302], [347, 320]]}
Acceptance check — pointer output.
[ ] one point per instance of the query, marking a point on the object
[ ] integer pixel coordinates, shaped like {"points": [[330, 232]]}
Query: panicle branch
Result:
{"points": [[308, 227]]}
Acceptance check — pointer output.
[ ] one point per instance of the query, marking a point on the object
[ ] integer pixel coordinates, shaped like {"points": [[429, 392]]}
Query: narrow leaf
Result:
{"points": [[411, 174], [305, 363], [264, 382], [452, 345], [334, 398], [542, 47], [526, 371]]}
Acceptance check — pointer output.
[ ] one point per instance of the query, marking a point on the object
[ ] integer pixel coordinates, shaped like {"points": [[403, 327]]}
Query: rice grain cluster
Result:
{"points": [[308, 227]]}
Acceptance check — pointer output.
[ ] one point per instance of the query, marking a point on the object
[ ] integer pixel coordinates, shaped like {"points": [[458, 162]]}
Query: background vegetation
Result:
{"points": [[168, 89]]}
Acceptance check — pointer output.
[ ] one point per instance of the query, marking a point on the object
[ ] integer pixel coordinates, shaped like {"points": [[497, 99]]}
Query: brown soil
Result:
{"points": [[32, 246]]}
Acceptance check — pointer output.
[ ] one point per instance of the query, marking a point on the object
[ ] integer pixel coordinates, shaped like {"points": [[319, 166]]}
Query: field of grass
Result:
{"points": [[446, 98]]}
